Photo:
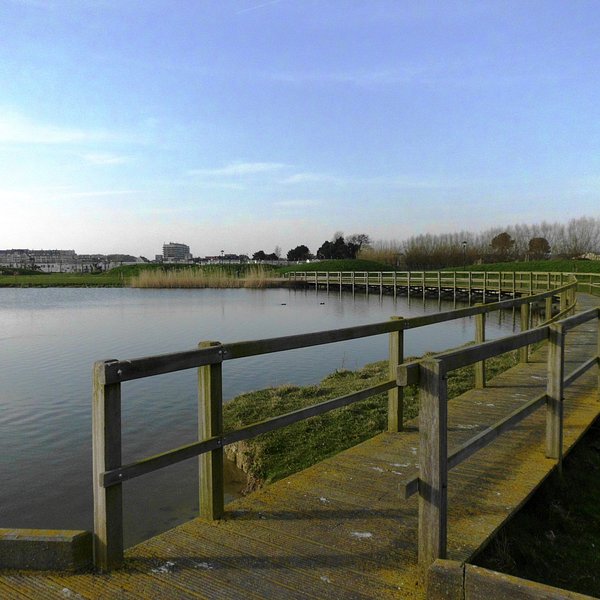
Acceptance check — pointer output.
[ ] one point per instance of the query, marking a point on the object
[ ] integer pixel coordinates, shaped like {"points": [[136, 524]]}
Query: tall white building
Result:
{"points": [[174, 252]]}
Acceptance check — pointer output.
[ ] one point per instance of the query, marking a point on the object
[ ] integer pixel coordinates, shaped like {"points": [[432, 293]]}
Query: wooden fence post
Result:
{"points": [[433, 461], [210, 424], [396, 395], [548, 309], [106, 443], [524, 351], [479, 338], [554, 392]]}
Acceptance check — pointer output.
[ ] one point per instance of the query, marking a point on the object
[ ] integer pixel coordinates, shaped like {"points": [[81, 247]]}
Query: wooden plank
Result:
{"points": [[210, 425], [579, 319], [408, 374], [577, 373], [106, 451], [462, 357], [433, 459], [396, 394], [555, 391]]}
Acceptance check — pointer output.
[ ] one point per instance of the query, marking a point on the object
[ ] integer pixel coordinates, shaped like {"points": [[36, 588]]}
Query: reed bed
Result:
{"points": [[198, 277]]}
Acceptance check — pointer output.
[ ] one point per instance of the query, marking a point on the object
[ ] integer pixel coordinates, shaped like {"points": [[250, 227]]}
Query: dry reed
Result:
{"points": [[196, 277]]}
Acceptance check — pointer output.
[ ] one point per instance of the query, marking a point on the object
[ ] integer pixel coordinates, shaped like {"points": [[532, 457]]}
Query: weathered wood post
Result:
{"points": [[396, 395], [433, 461], [352, 277], [524, 351], [548, 309], [439, 284], [106, 443], [210, 424], [514, 285], [395, 278], [408, 285], [554, 392], [479, 338], [485, 284], [530, 283]]}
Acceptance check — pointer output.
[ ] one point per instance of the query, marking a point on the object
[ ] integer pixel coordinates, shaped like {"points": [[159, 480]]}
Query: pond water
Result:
{"points": [[49, 339]]}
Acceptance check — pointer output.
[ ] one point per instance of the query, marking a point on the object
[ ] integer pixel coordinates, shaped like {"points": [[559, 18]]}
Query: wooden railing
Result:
{"points": [[435, 462], [507, 282], [109, 375]]}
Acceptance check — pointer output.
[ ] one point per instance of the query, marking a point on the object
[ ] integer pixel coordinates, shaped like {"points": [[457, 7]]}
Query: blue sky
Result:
{"points": [[245, 124]]}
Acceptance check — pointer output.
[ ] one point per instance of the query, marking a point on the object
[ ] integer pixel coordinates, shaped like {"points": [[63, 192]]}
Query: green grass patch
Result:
{"points": [[108, 279], [275, 455], [338, 265], [555, 537], [554, 266]]}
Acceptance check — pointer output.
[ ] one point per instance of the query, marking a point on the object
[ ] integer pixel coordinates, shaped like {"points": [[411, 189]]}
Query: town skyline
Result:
{"points": [[225, 123]]}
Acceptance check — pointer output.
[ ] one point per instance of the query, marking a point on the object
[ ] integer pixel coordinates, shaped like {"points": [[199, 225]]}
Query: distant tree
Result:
{"points": [[359, 239], [260, 255], [338, 249], [502, 244], [277, 251], [299, 253], [539, 247], [271, 256]]}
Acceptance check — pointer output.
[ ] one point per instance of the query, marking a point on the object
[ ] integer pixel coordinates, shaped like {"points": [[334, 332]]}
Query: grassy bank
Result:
{"points": [[109, 279], [554, 266], [271, 456], [256, 276], [555, 537], [338, 265]]}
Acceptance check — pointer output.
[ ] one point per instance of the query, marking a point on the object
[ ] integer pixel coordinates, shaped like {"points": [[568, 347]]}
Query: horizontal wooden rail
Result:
{"points": [[577, 373], [171, 457], [125, 370], [411, 486]]}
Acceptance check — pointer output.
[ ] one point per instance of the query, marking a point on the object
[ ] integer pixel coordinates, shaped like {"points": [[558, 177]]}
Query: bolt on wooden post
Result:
{"points": [[396, 395], [210, 424], [106, 444], [555, 391], [433, 461]]}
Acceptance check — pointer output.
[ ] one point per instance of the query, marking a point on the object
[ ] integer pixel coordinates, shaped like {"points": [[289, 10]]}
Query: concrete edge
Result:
{"points": [[46, 549]]}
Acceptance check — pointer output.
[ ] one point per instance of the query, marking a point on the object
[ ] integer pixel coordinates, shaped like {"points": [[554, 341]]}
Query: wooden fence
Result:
{"points": [[109, 375], [484, 282], [435, 462]]}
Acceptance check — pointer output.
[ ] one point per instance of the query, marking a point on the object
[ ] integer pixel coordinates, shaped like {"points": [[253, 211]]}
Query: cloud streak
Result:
{"points": [[239, 169], [16, 128]]}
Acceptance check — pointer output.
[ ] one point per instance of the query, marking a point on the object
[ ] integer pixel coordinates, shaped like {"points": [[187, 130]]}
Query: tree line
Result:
{"points": [[516, 242]]}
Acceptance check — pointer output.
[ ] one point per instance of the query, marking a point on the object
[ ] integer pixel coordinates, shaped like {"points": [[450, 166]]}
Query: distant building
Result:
{"points": [[62, 261], [174, 252]]}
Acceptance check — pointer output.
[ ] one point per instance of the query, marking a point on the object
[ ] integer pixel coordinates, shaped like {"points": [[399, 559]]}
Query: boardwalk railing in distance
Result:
{"points": [[109, 375], [435, 462], [484, 282]]}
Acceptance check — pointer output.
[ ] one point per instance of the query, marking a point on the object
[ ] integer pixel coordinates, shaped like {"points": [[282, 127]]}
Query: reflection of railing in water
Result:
{"points": [[110, 473], [434, 461], [485, 283]]}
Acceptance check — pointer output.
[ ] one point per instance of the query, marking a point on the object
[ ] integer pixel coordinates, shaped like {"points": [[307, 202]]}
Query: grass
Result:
{"points": [[275, 455], [109, 279], [338, 265], [554, 266], [256, 276], [555, 537]]}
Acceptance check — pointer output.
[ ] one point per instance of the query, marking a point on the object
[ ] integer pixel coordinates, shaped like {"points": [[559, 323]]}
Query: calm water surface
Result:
{"points": [[49, 339]]}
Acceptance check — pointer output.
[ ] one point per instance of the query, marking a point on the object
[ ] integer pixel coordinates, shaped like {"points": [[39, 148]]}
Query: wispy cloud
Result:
{"points": [[313, 178], [99, 193], [257, 6], [101, 159], [296, 203], [239, 169], [16, 128]]}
